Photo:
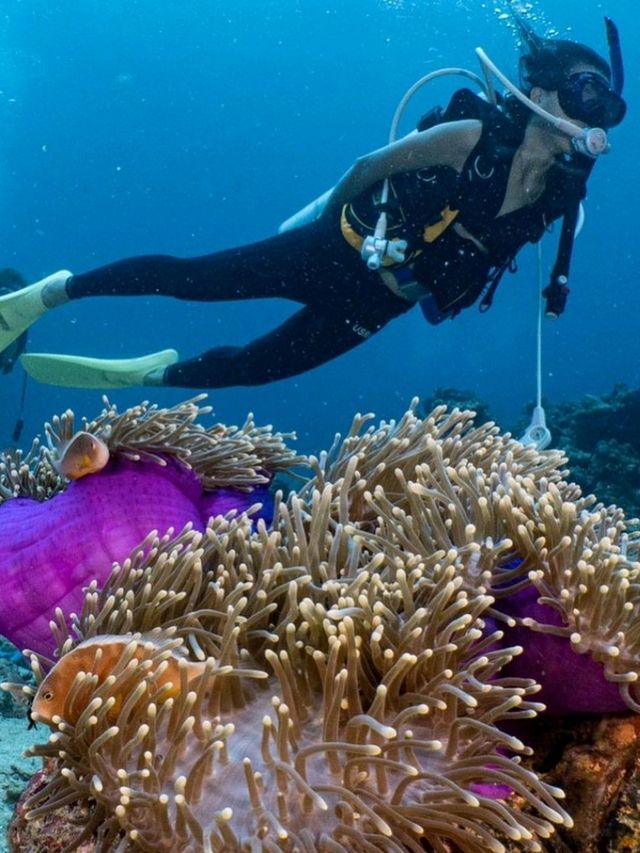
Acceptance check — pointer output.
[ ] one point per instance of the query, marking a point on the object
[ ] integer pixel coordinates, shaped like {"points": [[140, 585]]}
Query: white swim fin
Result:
{"points": [[77, 371], [21, 308]]}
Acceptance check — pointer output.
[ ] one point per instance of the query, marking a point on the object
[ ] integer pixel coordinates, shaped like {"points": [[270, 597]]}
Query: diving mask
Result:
{"points": [[591, 141], [586, 96]]}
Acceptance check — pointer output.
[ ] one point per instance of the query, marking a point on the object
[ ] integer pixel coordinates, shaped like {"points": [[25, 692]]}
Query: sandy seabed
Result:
{"points": [[15, 769]]}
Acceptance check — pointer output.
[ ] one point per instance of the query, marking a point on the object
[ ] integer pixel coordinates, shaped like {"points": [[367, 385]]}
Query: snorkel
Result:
{"points": [[615, 56]]}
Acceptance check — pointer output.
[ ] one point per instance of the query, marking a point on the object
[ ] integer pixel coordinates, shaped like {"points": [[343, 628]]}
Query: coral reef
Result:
{"points": [[597, 761], [455, 398], [358, 689], [601, 438], [54, 831]]}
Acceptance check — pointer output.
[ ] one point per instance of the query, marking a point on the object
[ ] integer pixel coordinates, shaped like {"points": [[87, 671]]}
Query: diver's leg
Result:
{"points": [[310, 337], [281, 266], [351, 310]]}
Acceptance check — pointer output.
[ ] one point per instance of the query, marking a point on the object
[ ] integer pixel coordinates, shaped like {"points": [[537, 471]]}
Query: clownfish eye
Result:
{"points": [[48, 696]]}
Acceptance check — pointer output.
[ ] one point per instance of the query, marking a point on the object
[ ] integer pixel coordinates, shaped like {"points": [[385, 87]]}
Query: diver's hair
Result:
{"points": [[547, 63]]}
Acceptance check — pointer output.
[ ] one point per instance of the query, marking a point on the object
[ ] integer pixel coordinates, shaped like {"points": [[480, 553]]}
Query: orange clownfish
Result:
{"points": [[102, 656], [83, 454]]}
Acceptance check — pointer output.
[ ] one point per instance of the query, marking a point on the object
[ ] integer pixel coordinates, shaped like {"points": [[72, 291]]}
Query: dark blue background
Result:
{"points": [[132, 127]]}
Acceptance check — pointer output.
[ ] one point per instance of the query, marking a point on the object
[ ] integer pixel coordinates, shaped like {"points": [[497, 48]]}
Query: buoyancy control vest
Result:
{"points": [[422, 205]]}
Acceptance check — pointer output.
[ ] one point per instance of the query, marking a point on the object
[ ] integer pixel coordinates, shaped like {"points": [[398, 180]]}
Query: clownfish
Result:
{"points": [[83, 454], [99, 656]]}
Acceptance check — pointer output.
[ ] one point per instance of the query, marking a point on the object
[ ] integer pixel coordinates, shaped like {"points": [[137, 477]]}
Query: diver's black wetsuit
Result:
{"points": [[345, 302]]}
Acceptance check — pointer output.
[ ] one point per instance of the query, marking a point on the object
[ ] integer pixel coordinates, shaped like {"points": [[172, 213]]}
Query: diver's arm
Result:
{"points": [[443, 145]]}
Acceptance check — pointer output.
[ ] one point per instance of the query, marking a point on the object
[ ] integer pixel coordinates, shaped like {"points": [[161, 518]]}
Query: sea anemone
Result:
{"points": [[356, 691], [126, 475], [557, 563], [338, 710]]}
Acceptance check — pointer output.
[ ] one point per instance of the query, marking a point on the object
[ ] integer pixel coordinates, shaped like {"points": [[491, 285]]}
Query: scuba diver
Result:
{"points": [[435, 218]]}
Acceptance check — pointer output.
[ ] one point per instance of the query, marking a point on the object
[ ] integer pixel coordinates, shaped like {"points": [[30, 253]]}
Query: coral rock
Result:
{"points": [[52, 831]]}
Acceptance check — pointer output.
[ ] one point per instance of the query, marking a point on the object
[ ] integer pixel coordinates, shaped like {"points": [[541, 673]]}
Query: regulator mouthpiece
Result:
{"points": [[592, 143]]}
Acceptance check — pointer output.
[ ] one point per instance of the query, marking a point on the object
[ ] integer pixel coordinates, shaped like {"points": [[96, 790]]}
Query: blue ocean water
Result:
{"points": [[134, 127]]}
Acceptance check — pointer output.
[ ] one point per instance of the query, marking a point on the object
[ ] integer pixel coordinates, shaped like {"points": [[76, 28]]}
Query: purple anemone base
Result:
{"points": [[51, 550], [572, 683]]}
